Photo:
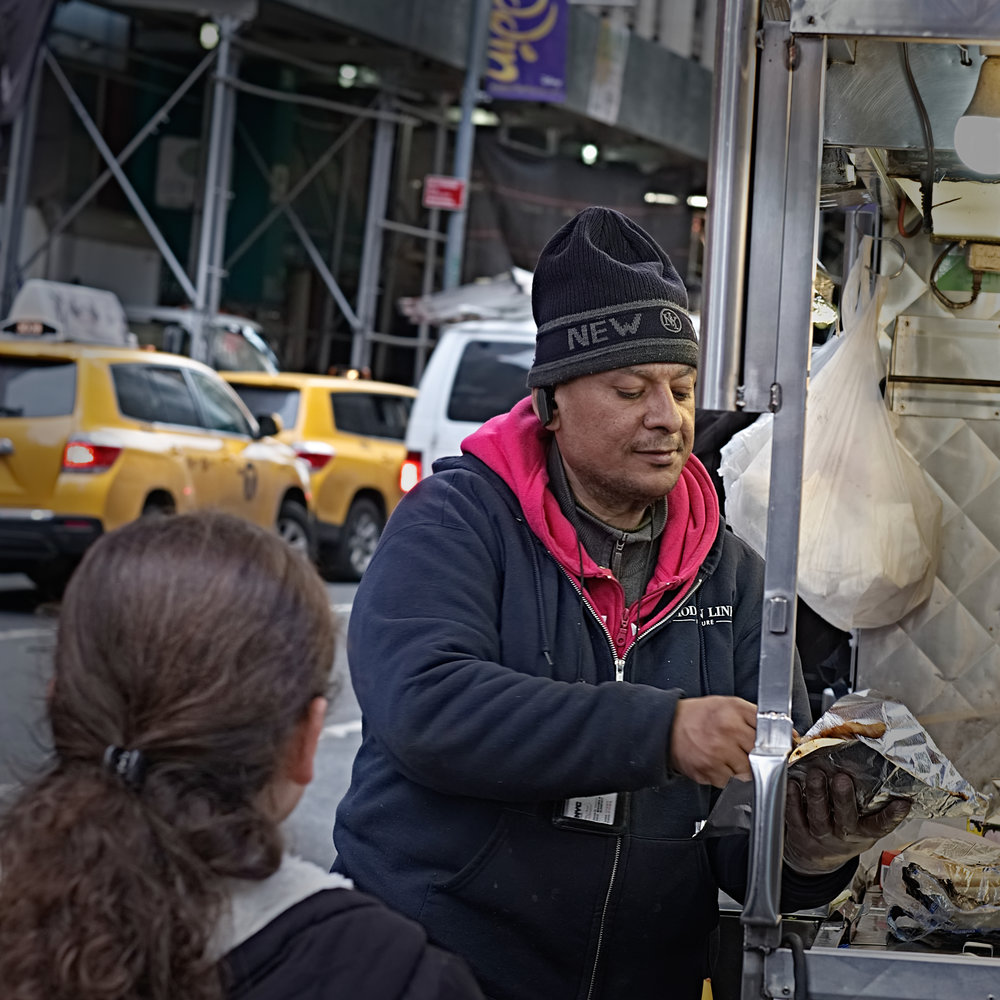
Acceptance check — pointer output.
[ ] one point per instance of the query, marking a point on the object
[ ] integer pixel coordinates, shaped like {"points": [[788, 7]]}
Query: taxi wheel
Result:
{"points": [[361, 533], [293, 526]]}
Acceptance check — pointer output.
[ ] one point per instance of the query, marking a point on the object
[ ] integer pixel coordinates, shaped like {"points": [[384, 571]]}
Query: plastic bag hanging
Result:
{"points": [[870, 526]]}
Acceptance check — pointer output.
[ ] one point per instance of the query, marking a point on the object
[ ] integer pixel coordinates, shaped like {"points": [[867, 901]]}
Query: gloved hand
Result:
{"points": [[712, 737], [822, 828]]}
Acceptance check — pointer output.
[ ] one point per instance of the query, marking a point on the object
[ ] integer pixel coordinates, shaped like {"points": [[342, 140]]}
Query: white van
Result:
{"points": [[477, 370]]}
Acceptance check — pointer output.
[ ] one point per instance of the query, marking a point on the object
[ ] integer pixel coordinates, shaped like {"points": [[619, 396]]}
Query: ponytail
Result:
{"points": [[196, 643]]}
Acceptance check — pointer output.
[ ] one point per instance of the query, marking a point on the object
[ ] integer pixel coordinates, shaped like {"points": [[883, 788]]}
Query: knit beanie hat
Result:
{"points": [[605, 295]]}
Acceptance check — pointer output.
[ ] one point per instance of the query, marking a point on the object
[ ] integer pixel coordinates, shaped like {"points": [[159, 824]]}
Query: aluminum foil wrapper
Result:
{"points": [[889, 755], [943, 885], [884, 749]]}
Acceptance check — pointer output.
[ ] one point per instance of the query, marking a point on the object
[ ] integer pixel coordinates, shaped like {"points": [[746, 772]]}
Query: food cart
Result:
{"points": [[851, 105]]}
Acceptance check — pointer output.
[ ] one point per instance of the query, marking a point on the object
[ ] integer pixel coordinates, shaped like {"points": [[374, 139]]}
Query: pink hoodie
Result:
{"points": [[514, 445]]}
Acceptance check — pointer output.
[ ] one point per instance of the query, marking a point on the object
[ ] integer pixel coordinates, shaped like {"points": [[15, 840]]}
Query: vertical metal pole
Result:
{"points": [[729, 197], [799, 237], [216, 270], [216, 140], [22, 145], [430, 252], [465, 139], [336, 251], [371, 251]]}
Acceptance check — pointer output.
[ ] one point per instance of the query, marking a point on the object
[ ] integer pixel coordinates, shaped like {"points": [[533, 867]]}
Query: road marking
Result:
{"points": [[342, 729], [12, 634]]}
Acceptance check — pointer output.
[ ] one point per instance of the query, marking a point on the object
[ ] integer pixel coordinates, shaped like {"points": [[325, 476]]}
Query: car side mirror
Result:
{"points": [[268, 424]]}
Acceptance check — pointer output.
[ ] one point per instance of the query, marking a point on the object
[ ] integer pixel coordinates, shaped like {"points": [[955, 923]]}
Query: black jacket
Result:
{"points": [[339, 944]]}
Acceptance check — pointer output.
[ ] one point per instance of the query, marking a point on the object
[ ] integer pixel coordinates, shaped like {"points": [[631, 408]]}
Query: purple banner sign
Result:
{"points": [[526, 57]]}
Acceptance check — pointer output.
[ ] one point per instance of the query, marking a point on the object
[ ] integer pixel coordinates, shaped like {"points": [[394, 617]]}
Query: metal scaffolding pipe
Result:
{"points": [[15, 194], [371, 251], [213, 179], [123, 157], [729, 198], [109, 158], [465, 139]]}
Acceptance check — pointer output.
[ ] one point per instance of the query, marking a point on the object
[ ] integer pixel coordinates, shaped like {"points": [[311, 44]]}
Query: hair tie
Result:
{"points": [[129, 766]]}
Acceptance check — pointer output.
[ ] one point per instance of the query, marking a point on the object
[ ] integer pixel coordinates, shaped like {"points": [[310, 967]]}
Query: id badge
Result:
{"points": [[606, 813]]}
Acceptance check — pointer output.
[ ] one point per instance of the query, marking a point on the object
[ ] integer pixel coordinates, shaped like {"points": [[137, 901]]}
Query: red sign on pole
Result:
{"points": [[444, 192]]}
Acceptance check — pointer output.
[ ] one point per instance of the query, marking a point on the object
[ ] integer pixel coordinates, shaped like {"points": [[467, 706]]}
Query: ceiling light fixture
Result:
{"points": [[697, 201], [589, 153], [208, 35], [659, 198], [977, 133]]}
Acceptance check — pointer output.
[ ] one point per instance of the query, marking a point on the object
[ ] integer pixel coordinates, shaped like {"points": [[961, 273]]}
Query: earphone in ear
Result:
{"points": [[545, 402]]}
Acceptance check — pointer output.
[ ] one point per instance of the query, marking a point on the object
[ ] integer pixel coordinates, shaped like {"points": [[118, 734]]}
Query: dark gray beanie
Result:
{"points": [[605, 295]]}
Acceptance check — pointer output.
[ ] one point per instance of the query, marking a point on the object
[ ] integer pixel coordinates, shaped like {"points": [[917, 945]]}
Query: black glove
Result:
{"points": [[822, 828]]}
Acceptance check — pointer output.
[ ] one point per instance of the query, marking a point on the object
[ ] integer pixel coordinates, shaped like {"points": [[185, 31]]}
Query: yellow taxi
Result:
{"points": [[93, 436], [351, 432]]}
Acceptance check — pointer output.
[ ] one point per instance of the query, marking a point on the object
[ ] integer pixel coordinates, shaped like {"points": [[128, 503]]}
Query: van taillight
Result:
{"points": [[411, 471], [82, 456]]}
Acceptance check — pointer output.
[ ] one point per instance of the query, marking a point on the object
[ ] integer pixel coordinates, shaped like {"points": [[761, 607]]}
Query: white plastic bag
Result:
{"points": [[870, 526]]}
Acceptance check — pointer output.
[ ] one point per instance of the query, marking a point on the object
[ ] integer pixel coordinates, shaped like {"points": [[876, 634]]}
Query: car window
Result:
{"points": [[490, 379], [232, 350], [372, 414], [155, 393], [162, 335], [222, 412], [37, 388], [270, 399], [136, 395]]}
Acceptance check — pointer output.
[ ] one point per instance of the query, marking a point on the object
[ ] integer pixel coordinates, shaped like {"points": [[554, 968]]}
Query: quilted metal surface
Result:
{"points": [[943, 659]]}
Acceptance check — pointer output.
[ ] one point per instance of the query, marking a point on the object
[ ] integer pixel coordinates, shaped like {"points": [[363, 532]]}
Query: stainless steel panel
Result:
{"points": [[869, 103], [920, 20], [945, 366], [839, 973]]}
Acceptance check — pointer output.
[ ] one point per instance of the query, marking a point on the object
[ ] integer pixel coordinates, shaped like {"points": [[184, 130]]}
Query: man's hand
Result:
{"points": [[822, 828], [712, 737]]}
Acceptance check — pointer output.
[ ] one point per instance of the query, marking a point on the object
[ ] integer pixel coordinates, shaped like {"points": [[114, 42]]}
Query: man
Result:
{"points": [[555, 649]]}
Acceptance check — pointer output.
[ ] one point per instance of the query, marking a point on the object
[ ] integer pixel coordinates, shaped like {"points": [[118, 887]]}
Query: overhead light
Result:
{"points": [[977, 133], [480, 116], [697, 201], [208, 35], [589, 153], [659, 198], [347, 75]]}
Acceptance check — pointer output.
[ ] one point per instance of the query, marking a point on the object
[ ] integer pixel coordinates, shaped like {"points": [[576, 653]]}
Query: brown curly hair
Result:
{"points": [[199, 640]]}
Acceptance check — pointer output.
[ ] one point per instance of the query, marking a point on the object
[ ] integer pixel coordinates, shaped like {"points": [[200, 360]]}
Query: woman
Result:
{"points": [[187, 703]]}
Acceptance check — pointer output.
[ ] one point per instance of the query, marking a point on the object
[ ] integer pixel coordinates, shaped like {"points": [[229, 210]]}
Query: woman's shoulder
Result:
{"points": [[339, 942]]}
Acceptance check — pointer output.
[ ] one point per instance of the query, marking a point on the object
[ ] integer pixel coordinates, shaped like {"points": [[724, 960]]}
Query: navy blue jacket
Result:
{"points": [[344, 945], [493, 688]]}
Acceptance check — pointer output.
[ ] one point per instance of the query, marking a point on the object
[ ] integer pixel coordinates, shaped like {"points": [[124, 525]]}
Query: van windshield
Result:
{"points": [[490, 379]]}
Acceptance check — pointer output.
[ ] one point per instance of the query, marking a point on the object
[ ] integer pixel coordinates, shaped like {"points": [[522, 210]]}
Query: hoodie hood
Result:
{"points": [[515, 446]]}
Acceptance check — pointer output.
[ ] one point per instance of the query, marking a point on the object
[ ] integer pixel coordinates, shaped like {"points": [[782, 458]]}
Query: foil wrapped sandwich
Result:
{"points": [[888, 754], [884, 749]]}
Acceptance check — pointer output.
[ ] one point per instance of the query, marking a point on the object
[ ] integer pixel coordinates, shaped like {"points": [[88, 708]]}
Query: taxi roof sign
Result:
{"points": [[54, 310]]}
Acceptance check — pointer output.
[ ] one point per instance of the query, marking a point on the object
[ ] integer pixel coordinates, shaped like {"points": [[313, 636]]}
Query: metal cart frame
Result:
{"points": [[782, 62]]}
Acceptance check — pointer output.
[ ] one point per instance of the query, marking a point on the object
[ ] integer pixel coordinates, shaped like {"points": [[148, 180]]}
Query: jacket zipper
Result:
{"points": [[620, 676]]}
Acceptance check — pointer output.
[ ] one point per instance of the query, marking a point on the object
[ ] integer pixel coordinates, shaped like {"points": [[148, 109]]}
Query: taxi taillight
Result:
{"points": [[411, 471], [82, 456], [314, 453]]}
